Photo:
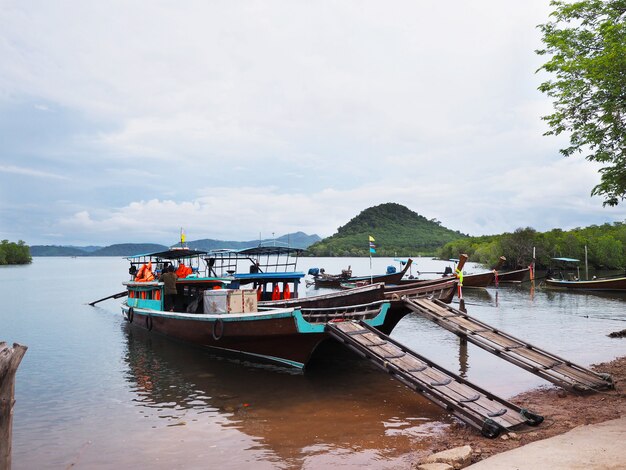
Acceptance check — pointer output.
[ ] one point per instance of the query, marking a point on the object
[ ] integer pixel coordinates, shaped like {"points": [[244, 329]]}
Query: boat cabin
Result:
{"points": [[270, 270], [565, 269], [146, 291]]}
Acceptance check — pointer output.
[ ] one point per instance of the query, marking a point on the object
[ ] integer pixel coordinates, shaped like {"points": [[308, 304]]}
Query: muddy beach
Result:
{"points": [[562, 410]]}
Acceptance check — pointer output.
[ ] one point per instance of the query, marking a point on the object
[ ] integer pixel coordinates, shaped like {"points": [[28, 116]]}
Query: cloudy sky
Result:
{"points": [[122, 121]]}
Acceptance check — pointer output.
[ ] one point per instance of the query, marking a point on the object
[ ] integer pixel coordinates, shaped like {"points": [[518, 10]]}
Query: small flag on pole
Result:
{"points": [[372, 246], [182, 236]]}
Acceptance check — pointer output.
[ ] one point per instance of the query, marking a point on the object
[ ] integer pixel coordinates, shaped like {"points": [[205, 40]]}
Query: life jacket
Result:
{"points": [[140, 274], [276, 293], [181, 272], [286, 292], [148, 275]]}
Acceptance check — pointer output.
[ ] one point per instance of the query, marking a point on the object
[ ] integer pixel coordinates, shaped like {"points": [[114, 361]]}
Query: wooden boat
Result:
{"points": [[571, 281], [515, 276], [615, 284], [335, 281], [479, 279], [483, 279], [442, 289], [228, 320]]}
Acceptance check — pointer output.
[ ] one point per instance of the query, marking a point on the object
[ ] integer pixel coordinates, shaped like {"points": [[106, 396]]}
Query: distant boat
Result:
{"points": [[515, 276], [616, 284], [571, 281], [495, 277], [335, 280], [483, 279]]}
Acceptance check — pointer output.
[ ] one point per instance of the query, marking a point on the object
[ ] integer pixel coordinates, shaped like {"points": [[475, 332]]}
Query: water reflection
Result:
{"points": [[340, 404], [463, 358]]}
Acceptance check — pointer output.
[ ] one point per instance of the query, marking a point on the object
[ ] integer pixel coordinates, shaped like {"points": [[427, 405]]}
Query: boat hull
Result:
{"points": [[336, 281], [479, 280], [598, 285], [282, 337], [516, 276]]}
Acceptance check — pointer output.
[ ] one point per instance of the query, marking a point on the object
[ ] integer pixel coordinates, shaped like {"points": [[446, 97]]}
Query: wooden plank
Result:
{"points": [[453, 390], [520, 353]]}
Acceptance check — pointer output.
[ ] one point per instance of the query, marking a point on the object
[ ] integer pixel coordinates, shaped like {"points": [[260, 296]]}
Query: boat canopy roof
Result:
{"points": [[257, 251], [567, 260], [172, 253]]}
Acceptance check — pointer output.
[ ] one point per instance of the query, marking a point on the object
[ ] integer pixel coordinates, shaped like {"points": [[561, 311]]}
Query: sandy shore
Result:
{"points": [[562, 411]]}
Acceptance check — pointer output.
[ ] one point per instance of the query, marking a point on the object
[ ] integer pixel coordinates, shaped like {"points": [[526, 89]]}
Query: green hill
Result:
{"points": [[398, 231], [55, 250], [296, 240], [128, 249]]}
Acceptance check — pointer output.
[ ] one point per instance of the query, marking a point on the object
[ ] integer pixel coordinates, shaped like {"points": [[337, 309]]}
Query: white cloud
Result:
{"points": [[234, 118], [30, 172]]}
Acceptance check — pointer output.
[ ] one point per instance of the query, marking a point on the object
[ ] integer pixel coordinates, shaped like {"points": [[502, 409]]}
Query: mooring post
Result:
{"points": [[10, 359]]}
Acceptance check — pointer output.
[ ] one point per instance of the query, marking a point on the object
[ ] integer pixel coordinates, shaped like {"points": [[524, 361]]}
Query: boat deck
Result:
{"points": [[538, 361], [468, 402]]}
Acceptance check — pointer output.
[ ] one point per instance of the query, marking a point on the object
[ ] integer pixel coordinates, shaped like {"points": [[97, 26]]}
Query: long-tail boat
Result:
{"points": [[483, 279], [514, 276], [208, 313], [572, 281], [616, 284], [442, 289], [335, 281]]}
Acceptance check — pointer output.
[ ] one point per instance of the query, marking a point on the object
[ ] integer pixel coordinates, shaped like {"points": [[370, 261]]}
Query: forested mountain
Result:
{"points": [[397, 230], [55, 250], [605, 246], [128, 249], [297, 240]]}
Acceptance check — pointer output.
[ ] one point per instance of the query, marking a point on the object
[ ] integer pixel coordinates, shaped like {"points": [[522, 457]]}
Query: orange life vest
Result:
{"points": [[182, 271], [276, 293], [140, 273], [148, 275], [286, 292]]}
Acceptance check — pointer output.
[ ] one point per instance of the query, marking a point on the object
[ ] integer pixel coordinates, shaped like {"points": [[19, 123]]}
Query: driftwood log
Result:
{"points": [[10, 359]]}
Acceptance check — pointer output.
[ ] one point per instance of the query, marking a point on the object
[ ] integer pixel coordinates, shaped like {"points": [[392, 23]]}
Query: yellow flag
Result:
{"points": [[182, 236], [372, 239]]}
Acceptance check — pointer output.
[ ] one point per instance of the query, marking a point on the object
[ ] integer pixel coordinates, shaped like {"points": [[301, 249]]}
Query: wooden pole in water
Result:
{"points": [[10, 359], [586, 265], [459, 275]]}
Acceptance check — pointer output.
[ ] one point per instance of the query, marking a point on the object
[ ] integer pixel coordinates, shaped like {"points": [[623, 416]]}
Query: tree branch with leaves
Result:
{"points": [[586, 46]]}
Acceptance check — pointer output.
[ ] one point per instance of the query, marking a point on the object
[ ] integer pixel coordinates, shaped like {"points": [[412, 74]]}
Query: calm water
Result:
{"points": [[93, 393]]}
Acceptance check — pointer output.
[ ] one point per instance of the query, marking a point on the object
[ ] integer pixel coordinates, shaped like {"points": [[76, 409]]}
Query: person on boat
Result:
{"points": [[255, 267], [168, 278]]}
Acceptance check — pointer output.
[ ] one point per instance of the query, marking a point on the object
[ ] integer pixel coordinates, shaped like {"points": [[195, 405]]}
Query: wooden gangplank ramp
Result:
{"points": [[470, 403], [542, 363]]}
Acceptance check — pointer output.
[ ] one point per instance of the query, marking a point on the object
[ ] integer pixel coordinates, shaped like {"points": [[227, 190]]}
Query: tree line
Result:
{"points": [[605, 247], [14, 253]]}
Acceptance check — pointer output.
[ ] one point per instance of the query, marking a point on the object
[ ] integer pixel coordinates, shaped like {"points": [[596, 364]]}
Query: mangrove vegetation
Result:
{"points": [[14, 253], [605, 246]]}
